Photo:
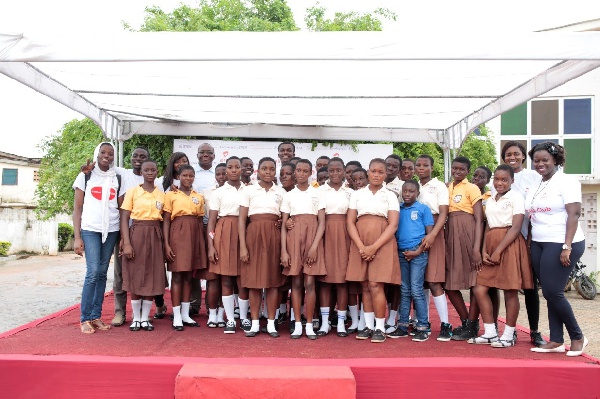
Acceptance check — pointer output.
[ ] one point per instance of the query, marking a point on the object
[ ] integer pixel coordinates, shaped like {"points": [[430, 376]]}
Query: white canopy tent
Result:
{"points": [[325, 86]]}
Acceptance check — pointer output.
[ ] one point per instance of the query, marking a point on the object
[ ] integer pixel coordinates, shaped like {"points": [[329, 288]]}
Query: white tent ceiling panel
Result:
{"points": [[329, 85]]}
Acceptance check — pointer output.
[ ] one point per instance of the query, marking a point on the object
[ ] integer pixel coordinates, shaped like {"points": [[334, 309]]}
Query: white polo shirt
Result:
{"points": [[433, 194], [336, 201], [258, 200], [500, 213], [226, 199], [378, 204], [307, 202]]}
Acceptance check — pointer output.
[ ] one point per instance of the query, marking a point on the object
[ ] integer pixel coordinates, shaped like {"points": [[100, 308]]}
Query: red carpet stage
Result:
{"points": [[50, 358]]}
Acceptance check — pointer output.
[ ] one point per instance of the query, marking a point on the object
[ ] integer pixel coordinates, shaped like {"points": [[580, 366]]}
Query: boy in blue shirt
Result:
{"points": [[416, 221]]}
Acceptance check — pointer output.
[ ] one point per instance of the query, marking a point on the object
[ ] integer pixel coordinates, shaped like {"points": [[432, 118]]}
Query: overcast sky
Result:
{"points": [[27, 117]]}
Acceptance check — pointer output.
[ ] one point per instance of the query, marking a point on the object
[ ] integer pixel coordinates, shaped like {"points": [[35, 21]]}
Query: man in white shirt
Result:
{"points": [[205, 173], [393, 165]]}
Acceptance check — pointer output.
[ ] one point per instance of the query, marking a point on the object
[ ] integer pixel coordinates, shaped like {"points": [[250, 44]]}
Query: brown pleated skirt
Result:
{"points": [[299, 240], [460, 234], [186, 237], [336, 243], [263, 240], [227, 246], [436, 259], [385, 268], [144, 275], [514, 271]]}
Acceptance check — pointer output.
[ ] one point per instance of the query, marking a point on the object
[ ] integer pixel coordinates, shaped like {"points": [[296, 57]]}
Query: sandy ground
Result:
{"points": [[40, 285]]}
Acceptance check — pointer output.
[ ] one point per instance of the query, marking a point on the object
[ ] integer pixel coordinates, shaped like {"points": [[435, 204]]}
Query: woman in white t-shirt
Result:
{"points": [[96, 224], [557, 242]]}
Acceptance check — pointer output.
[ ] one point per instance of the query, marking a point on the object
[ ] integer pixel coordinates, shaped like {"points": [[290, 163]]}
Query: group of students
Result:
{"points": [[358, 233]]}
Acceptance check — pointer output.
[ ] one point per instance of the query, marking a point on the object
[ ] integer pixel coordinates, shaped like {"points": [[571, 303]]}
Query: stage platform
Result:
{"points": [[50, 358]]}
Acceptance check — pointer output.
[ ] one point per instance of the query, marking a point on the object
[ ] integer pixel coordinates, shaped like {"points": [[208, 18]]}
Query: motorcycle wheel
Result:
{"points": [[585, 287]]}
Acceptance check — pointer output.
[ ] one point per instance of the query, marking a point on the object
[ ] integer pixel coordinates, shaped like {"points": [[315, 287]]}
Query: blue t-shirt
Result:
{"points": [[412, 223]]}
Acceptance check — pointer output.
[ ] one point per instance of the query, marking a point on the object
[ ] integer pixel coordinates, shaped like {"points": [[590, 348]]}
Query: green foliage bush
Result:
{"points": [[4, 247], [65, 231]]}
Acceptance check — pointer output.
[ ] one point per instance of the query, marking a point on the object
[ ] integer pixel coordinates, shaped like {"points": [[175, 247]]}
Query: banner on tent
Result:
{"points": [[256, 150]]}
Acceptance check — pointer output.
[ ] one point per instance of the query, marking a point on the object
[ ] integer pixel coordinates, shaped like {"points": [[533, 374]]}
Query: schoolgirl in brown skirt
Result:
{"points": [[302, 247], [260, 244], [372, 221], [434, 194], [184, 243], [223, 249], [506, 262], [336, 246], [143, 261], [463, 246]]}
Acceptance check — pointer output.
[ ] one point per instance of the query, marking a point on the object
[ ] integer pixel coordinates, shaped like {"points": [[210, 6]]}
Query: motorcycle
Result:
{"points": [[582, 283]]}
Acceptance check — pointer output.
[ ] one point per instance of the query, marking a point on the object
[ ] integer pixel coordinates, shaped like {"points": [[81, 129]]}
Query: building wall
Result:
{"points": [[24, 191], [26, 233]]}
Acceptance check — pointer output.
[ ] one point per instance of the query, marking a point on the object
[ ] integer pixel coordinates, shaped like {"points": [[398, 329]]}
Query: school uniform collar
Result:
{"points": [[229, 186], [463, 182], [430, 180], [258, 187], [507, 196], [403, 205], [326, 186]]}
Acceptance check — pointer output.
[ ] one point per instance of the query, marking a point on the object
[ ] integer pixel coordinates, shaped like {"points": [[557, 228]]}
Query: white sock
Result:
{"points": [[185, 312], [212, 315], [426, 292], [392, 318], [370, 320], [220, 312], [298, 328], [136, 306], [441, 304], [244, 305], [229, 306], [508, 333], [379, 323], [255, 326], [271, 326], [490, 330], [282, 308], [292, 315], [146, 306], [354, 315], [341, 324], [177, 316], [309, 329], [361, 322], [325, 318]]}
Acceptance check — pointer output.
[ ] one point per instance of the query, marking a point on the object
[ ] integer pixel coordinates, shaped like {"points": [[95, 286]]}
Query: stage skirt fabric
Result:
{"points": [[186, 238], [514, 271], [436, 260], [298, 242], [336, 242], [460, 234], [263, 240], [385, 267], [144, 275], [227, 246]]}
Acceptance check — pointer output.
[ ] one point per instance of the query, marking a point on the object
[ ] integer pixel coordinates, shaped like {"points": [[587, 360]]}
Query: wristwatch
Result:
{"points": [[565, 246]]}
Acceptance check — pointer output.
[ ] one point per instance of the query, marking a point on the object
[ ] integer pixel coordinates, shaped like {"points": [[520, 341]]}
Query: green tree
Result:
{"points": [[346, 21], [480, 149], [64, 155], [221, 15]]}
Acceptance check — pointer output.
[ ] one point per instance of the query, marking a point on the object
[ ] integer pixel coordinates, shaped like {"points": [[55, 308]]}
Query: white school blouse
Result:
{"points": [[378, 204], [258, 200], [307, 202], [336, 201], [226, 199], [500, 213], [395, 186], [433, 194]]}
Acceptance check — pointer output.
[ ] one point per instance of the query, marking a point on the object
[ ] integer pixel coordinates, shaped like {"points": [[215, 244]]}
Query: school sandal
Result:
{"points": [[483, 340], [503, 343], [342, 334], [321, 333], [146, 325], [135, 326], [212, 324], [221, 324], [351, 330], [87, 327]]}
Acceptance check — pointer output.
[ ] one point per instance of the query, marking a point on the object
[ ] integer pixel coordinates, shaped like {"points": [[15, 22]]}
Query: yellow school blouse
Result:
{"points": [[463, 196], [144, 205], [180, 204]]}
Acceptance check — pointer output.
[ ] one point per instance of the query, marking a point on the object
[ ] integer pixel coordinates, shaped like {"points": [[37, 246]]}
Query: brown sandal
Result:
{"points": [[98, 324], [87, 327]]}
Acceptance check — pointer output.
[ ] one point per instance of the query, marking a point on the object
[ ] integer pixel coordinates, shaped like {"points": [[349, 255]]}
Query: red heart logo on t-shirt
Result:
{"points": [[97, 193]]}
